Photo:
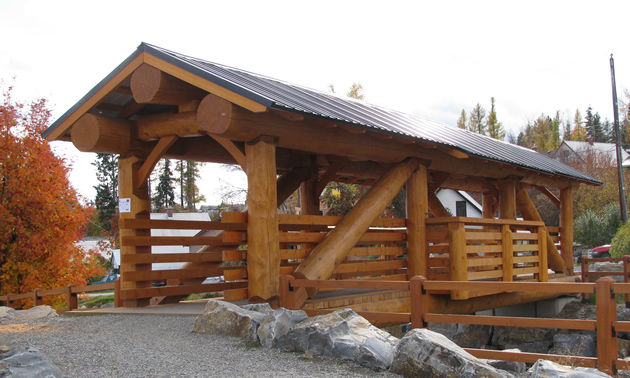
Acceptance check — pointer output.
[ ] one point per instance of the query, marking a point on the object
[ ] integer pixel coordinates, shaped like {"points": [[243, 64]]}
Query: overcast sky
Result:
{"points": [[429, 58]]}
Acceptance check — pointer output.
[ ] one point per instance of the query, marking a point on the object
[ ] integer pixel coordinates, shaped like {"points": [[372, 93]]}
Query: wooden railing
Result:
{"points": [[470, 249], [587, 274], [380, 253], [420, 316], [70, 293]]}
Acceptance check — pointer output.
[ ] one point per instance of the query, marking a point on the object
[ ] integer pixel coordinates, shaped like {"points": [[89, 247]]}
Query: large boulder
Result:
{"points": [[424, 353], [6, 313], [225, 318], [35, 313], [277, 324], [342, 334], [548, 369], [464, 335], [28, 363], [574, 345], [535, 340]]}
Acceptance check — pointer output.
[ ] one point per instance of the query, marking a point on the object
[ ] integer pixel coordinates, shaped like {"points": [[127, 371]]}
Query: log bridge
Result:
{"points": [[160, 104]]}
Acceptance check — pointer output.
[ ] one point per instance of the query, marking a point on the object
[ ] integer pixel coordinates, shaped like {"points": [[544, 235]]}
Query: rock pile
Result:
{"points": [[420, 352]]}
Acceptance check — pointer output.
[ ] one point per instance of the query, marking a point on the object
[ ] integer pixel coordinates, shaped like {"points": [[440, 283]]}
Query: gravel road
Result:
{"points": [[159, 346]]}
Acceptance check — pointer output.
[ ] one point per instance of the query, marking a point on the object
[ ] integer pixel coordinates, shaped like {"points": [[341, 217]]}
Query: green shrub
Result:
{"points": [[621, 242], [597, 228]]}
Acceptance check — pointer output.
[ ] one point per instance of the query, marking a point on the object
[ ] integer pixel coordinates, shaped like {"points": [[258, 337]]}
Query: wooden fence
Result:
{"points": [[420, 315], [70, 293], [587, 274]]}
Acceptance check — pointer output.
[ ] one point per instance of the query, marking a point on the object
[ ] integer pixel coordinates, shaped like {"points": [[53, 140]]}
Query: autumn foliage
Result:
{"points": [[41, 217]]}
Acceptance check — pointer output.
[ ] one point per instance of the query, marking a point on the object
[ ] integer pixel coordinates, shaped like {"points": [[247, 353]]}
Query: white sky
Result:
{"points": [[429, 58]]}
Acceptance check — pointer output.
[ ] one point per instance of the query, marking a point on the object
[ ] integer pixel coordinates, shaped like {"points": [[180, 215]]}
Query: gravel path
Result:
{"points": [[159, 346]]}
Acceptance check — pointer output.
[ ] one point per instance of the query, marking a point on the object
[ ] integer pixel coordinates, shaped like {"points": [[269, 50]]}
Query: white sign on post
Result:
{"points": [[124, 205]]}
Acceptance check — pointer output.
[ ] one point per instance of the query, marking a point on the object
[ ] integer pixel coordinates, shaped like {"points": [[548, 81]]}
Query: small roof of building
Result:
{"points": [[603, 149], [284, 96]]}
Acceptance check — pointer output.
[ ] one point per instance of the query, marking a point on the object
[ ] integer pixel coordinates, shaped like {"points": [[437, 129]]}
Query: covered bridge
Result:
{"points": [[161, 104]]}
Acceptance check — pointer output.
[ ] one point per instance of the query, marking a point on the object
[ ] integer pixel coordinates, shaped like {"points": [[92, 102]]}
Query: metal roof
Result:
{"points": [[281, 95]]}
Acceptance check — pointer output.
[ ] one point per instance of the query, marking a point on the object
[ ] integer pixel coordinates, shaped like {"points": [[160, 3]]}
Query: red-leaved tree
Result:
{"points": [[41, 217]]}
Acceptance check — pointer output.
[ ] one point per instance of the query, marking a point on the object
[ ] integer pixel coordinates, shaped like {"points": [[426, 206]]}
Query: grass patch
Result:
{"points": [[96, 301], [194, 297]]}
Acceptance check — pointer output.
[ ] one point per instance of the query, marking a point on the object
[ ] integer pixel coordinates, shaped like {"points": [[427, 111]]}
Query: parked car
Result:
{"points": [[107, 279], [601, 252]]}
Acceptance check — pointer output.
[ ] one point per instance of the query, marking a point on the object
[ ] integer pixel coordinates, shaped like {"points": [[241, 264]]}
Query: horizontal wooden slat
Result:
{"points": [[164, 291], [146, 241], [370, 266], [442, 248], [484, 248], [162, 224], [524, 236], [483, 236], [352, 284], [538, 287], [485, 262], [155, 275], [532, 357], [439, 262], [482, 221], [59, 291], [149, 258], [622, 326], [377, 251], [525, 247], [90, 288], [485, 275], [316, 237], [526, 259], [528, 270], [294, 253]]}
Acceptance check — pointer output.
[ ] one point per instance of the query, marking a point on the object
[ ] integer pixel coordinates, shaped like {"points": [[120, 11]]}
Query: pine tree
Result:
{"points": [[579, 132], [593, 126], [494, 127], [189, 189], [106, 200], [555, 131], [165, 191], [566, 132], [476, 120], [463, 120]]}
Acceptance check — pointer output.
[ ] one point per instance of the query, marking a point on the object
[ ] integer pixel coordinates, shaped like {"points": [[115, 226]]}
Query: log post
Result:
{"points": [[529, 212], [419, 302], [458, 257], [566, 227], [309, 196], [139, 208], [626, 277], [71, 298], [263, 250], [507, 199], [487, 205], [543, 274], [508, 252], [606, 335], [117, 300], [333, 249], [417, 213]]}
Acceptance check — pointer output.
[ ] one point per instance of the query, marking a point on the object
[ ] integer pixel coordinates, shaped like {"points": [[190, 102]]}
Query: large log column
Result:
{"points": [[529, 212], [417, 213], [566, 227], [507, 199], [263, 250], [128, 171], [333, 249]]}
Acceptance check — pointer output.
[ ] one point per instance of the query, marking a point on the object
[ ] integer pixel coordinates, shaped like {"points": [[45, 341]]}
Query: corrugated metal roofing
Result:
{"points": [[277, 94]]}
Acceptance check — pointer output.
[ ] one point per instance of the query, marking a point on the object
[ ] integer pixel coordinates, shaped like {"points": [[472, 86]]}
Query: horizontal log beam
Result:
{"points": [[94, 133], [220, 117], [155, 126], [150, 85]]}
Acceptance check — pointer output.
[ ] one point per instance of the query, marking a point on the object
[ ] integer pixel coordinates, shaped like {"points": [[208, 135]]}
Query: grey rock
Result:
{"points": [[29, 363], [277, 324], [513, 337], [447, 329], [578, 310], [35, 313], [511, 366], [548, 369], [398, 330], [623, 348], [464, 335], [574, 345], [224, 318], [342, 334], [263, 308], [106, 305], [6, 313], [424, 353]]}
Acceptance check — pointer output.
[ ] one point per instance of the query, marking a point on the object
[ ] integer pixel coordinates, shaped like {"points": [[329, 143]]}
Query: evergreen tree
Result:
{"points": [[494, 127], [463, 120], [165, 191], [106, 200], [566, 132], [593, 126], [476, 120], [579, 132], [189, 188], [555, 131]]}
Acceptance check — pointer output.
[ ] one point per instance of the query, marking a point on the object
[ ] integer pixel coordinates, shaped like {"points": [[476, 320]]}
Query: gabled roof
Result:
{"points": [[602, 149], [280, 95]]}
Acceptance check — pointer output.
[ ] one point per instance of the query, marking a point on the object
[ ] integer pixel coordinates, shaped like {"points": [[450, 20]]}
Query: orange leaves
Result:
{"points": [[41, 217]]}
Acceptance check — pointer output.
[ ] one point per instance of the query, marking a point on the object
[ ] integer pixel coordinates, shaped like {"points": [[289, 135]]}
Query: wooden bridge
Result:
{"points": [[161, 104]]}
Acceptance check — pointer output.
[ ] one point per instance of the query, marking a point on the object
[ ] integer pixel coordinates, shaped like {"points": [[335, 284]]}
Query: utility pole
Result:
{"points": [[622, 193]]}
